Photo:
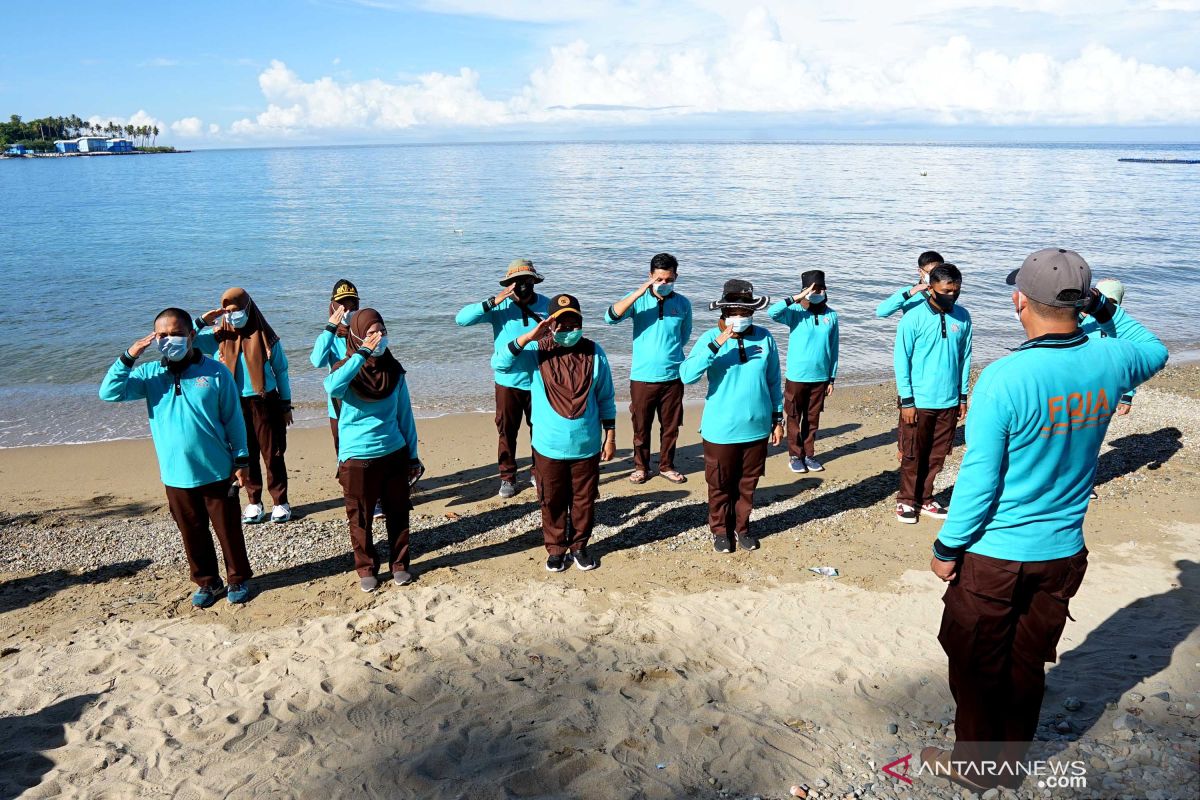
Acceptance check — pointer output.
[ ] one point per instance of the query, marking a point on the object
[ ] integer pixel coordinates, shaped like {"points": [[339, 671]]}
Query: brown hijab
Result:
{"points": [[380, 376], [566, 374], [254, 340]]}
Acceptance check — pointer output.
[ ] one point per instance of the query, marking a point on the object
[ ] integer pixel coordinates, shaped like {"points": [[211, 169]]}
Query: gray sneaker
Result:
{"points": [[368, 584], [813, 465], [508, 489], [796, 464], [402, 577]]}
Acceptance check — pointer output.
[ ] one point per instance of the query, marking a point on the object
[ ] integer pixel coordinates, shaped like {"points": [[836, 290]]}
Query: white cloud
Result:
{"points": [[214, 129], [752, 69], [188, 127]]}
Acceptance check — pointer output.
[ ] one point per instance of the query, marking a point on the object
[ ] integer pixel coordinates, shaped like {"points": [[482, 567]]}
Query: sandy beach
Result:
{"points": [[669, 672]]}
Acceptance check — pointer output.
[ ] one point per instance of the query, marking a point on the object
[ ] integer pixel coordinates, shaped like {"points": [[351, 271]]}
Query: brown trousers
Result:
{"points": [[193, 510], [1001, 624], [804, 403], [266, 435], [732, 472], [567, 491], [923, 450], [511, 406], [366, 481], [646, 400]]}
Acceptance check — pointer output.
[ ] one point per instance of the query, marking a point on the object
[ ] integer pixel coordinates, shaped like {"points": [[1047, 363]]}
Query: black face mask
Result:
{"points": [[523, 290], [945, 301]]}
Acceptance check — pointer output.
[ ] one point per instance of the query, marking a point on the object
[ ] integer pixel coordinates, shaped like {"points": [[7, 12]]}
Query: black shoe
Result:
{"points": [[747, 542], [583, 560], [557, 563], [723, 544]]}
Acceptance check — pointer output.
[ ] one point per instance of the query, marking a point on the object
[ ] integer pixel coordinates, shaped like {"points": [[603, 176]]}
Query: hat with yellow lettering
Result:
{"points": [[1054, 277]]}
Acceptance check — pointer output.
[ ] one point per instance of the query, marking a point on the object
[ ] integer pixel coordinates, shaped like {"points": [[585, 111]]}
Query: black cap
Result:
{"points": [[564, 304], [814, 277], [343, 289]]}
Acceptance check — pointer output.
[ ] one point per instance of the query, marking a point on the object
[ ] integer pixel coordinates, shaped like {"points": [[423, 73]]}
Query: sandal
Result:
{"points": [[637, 476], [673, 475]]}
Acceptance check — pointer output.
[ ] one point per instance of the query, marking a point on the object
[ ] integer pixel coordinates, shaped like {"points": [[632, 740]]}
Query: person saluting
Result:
{"points": [[1012, 548], [200, 439]]}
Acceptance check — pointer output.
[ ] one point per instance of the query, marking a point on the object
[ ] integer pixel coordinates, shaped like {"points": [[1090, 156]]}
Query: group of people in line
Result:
{"points": [[1011, 550]]}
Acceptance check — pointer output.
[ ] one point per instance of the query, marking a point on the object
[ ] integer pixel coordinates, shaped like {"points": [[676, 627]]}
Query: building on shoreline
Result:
{"points": [[16, 150], [93, 144]]}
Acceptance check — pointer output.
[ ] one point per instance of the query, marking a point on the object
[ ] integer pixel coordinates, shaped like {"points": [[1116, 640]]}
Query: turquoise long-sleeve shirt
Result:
{"points": [[195, 421], [1037, 419], [327, 351], [509, 321], [555, 436], [661, 329], [812, 355], [900, 301], [1092, 328], [371, 428], [275, 371], [932, 357], [745, 392]]}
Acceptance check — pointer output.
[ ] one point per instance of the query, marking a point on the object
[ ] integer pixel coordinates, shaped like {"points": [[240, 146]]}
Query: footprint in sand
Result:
{"points": [[251, 736]]}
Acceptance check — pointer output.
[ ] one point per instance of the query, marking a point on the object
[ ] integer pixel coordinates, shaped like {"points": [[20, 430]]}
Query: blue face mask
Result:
{"points": [[173, 348], [664, 289], [568, 338], [381, 347], [817, 298], [238, 319]]}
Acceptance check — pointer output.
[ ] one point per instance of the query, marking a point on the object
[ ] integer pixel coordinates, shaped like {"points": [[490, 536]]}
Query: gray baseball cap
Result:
{"points": [[1054, 276]]}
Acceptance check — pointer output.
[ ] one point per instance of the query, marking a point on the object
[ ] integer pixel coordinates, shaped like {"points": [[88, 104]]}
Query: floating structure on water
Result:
{"points": [[1160, 160]]}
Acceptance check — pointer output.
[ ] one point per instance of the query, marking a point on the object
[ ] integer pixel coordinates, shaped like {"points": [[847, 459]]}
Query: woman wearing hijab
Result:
{"points": [[742, 411], [244, 341], [377, 446], [576, 412], [812, 364], [330, 347]]}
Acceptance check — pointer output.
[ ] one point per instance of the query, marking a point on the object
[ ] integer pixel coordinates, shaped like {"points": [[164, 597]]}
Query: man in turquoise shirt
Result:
{"points": [[330, 346], [1012, 549], [200, 438], [516, 310], [743, 410], [904, 300], [932, 360], [662, 325], [812, 363], [574, 405]]}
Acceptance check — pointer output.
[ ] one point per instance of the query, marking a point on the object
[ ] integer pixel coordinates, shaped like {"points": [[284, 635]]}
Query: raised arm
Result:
{"points": [[696, 365], [1147, 355], [323, 353], [474, 313], [505, 358], [620, 309], [338, 381], [903, 300], [121, 382]]}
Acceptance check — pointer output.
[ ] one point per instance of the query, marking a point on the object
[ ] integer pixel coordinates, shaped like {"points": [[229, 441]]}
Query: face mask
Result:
{"points": [[739, 324], [346, 318], [381, 347], [945, 301], [664, 289], [238, 319], [817, 298], [568, 338], [173, 348], [523, 290]]}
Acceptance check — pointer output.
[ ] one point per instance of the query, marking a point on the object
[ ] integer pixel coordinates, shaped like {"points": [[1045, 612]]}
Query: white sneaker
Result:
{"points": [[253, 514], [281, 513]]}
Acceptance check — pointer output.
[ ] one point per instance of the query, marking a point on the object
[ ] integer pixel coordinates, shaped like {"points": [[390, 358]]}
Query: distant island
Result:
{"points": [[68, 136]]}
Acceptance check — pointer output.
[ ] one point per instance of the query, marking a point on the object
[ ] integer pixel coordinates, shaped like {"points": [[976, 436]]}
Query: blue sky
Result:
{"points": [[223, 73]]}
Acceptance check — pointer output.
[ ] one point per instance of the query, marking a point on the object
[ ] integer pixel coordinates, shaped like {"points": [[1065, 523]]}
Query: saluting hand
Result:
{"points": [[919, 287], [372, 341], [140, 346], [645, 287], [547, 325], [504, 295], [211, 316], [804, 293], [946, 570], [339, 311]]}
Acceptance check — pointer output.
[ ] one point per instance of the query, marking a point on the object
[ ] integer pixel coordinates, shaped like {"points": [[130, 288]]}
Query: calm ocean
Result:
{"points": [[92, 248]]}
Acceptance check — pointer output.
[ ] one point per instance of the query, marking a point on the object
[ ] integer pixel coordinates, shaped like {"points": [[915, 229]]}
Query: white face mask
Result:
{"points": [[739, 324]]}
